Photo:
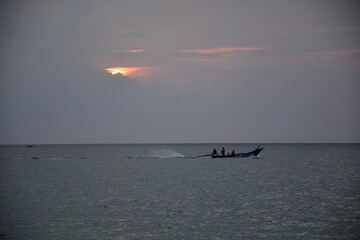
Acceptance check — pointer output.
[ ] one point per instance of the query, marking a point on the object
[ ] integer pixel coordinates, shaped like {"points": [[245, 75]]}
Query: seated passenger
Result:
{"points": [[223, 151], [214, 152]]}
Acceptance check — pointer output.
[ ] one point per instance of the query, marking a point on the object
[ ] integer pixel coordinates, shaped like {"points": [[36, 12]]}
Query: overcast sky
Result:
{"points": [[179, 71]]}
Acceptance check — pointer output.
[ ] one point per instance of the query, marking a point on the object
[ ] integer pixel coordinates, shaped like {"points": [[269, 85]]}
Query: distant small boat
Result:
{"points": [[239, 155]]}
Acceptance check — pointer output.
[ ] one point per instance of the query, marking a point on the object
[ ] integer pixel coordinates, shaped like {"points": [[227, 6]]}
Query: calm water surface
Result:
{"points": [[295, 191]]}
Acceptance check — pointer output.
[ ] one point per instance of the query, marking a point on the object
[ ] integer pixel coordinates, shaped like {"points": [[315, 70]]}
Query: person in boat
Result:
{"points": [[223, 151], [214, 152], [233, 153]]}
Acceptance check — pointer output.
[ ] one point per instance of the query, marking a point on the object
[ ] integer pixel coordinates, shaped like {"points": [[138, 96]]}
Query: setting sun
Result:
{"points": [[125, 71]]}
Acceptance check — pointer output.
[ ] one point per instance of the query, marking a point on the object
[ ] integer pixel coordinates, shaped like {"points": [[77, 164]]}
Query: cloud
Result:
{"points": [[221, 50], [337, 29], [216, 55], [339, 56], [133, 51], [340, 53], [126, 71], [338, 59]]}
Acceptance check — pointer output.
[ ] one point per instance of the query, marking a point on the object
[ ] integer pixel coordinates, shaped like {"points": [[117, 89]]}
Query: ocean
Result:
{"points": [[160, 191]]}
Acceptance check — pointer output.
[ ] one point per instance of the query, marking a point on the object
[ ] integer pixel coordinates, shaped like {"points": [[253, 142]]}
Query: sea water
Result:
{"points": [[162, 191]]}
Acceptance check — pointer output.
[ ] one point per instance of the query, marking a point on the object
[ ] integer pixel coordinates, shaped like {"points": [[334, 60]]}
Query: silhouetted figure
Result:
{"points": [[223, 151], [233, 153], [214, 152]]}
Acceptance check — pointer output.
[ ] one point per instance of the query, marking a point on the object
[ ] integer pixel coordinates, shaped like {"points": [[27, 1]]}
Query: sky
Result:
{"points": [[179, 71]]}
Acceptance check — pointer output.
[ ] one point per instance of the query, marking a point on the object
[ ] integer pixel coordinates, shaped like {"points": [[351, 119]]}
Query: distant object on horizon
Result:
{"points": [[237, 155], [215, 154]]}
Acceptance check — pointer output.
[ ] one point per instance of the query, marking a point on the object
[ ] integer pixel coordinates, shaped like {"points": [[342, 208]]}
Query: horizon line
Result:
{"points": [[172, 143]]}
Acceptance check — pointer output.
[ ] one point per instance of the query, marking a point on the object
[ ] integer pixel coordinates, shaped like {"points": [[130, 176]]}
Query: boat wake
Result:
{"points": [[169, 153], [161, 153], [165, 153]]}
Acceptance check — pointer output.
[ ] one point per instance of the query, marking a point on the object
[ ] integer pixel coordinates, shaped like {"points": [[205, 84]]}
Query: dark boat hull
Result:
{"points": [[240, 155]]}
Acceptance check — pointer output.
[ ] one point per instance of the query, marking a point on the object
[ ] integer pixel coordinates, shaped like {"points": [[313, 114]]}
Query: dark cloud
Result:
{"points": [[54, 87]]}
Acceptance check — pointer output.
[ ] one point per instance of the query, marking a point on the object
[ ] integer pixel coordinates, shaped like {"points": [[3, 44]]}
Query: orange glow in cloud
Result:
{"points": [[138, 50], [125, 71], [133, 51], [221, 50]]}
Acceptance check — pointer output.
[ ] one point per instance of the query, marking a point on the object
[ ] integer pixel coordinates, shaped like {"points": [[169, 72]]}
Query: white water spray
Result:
{"points": [[165, 153]]}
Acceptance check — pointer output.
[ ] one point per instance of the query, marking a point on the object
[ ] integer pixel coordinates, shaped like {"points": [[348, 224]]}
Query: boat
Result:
{"points": [[239, 155]]}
